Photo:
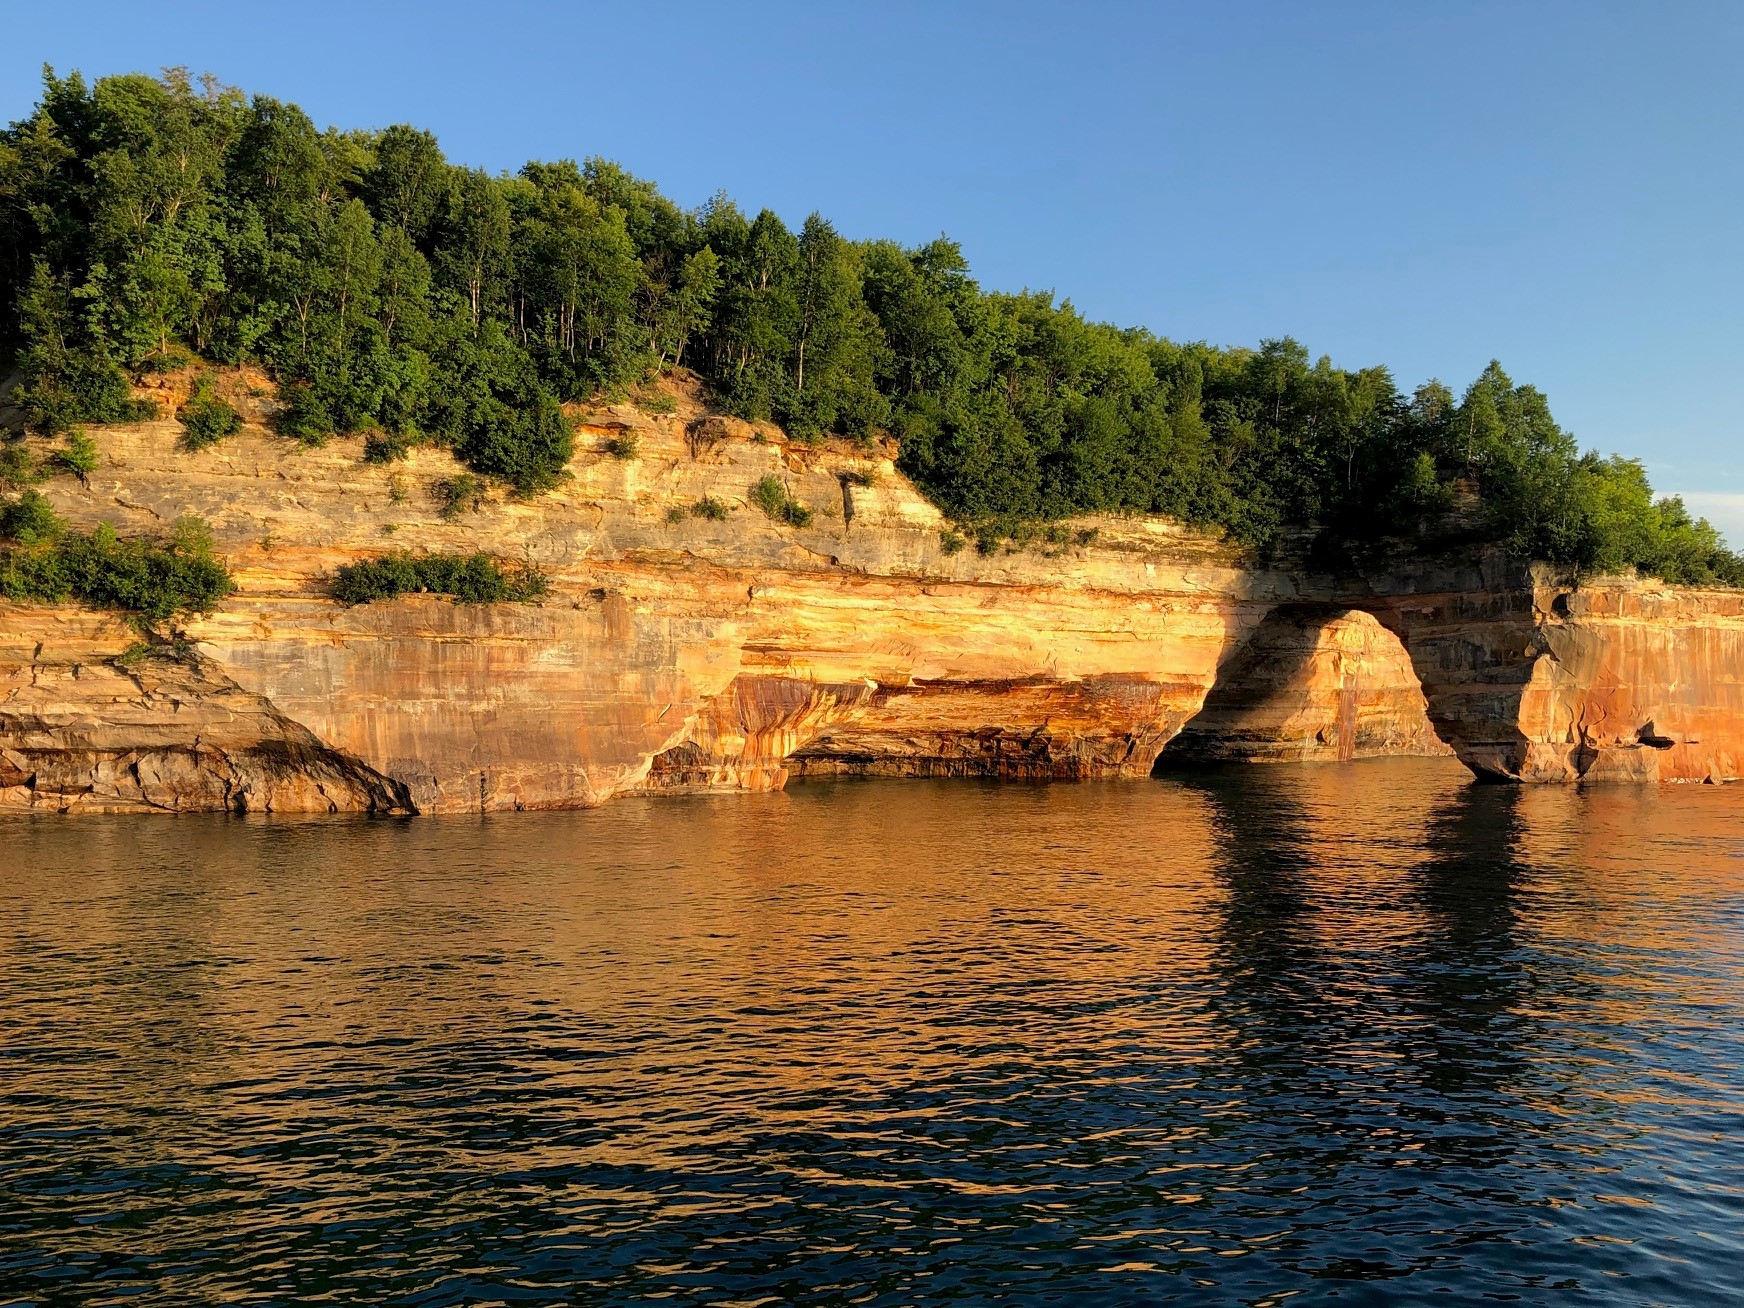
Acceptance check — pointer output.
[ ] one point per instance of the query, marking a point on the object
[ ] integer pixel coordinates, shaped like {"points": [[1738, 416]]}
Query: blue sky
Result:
{"points": [[1557, 185]]}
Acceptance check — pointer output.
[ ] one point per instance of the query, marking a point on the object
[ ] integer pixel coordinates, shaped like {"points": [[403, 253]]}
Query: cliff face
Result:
{"points": [[1531, 679], [678, 652], [93, 719], [1633, 684]]}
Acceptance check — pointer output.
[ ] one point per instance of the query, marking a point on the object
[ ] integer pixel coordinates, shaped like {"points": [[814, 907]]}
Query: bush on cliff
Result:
{"points": [[29, 520], [205, 418], [469, 578], [772, 496], [46, 563], [79, 457], [387, 289]]}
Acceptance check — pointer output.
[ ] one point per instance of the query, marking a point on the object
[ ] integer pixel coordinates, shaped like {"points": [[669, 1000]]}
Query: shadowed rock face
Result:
{"points": [[1035, 728], [681, 653], [1310, 685]]}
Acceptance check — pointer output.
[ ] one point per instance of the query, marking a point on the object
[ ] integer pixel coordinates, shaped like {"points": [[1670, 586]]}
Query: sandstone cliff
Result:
{"points": [[679, 652]]}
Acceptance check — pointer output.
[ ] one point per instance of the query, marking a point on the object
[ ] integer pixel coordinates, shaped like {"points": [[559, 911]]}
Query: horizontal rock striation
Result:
{"points": [[683, 651]]}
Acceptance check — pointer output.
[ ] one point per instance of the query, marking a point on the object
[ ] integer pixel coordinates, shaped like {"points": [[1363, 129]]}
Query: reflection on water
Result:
{"points": [[1354, 1034]]}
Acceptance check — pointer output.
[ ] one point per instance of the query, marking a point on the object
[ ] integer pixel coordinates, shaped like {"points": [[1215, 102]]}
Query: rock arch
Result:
{"points": [[1313, 683]]}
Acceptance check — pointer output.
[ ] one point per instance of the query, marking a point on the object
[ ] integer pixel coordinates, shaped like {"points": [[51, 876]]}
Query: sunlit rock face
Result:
{"points": [[678, 652], [1533, 679], [1625, 682], [91, 719]]}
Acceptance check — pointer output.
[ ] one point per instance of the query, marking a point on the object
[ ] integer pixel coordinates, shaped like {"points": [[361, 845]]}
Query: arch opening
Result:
{"points": [[1311, 684]]}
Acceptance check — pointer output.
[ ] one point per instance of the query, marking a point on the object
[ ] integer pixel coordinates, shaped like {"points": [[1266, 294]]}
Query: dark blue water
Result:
{"points": [[1359, 1035]]}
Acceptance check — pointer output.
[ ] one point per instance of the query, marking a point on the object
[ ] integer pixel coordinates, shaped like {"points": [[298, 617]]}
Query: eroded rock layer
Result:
{"points": [[94, 719], [682, 650]]}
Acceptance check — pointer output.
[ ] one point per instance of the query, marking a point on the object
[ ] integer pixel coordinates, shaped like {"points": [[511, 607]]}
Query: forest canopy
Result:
{"points": [[145, 222]]}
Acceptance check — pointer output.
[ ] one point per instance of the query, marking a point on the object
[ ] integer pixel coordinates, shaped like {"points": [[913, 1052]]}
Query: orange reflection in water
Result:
{"points": [[1249, 982]]}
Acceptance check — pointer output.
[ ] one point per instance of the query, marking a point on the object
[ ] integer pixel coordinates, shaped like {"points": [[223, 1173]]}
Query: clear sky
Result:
{"points": [[1428, 186]]}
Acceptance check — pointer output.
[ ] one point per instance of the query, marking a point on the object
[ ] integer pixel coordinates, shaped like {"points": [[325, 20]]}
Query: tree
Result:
{"points": [[685, 311], [407, 181], [472, 250]]}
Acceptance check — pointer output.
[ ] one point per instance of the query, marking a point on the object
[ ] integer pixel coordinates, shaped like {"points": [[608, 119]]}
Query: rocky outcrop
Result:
{"points": [[94, 719], [683, 651], [1616, 681], [746, 736], [1635, 683], [1532, 678]]}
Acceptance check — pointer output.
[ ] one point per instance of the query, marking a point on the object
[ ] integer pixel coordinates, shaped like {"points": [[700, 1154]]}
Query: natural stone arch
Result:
{"points": [[1312, 683]]}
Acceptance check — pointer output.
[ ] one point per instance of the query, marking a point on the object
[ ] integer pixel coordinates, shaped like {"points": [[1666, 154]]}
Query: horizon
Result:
{"points": [[1585, 246]]}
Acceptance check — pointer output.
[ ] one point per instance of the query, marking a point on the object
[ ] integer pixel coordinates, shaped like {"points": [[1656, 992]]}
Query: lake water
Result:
{"points": [[1360, 1034]]}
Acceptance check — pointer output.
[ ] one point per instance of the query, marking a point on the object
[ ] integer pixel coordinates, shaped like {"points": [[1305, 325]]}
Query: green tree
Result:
{"points": [[472, 251], [406, 181]]}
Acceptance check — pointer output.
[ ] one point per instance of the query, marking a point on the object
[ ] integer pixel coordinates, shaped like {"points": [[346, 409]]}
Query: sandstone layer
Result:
{"points": [[679, 652]]}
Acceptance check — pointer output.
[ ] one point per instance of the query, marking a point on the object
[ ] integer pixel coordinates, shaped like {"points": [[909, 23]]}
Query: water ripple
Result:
{"points": [[1355, 1035]]}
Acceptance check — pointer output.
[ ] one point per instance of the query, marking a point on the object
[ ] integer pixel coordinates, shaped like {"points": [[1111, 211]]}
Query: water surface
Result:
{"points": [[1353, 1034]]}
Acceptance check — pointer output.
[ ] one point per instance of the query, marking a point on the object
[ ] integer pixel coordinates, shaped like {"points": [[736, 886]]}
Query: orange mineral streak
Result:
{"points": [[678, 652]]}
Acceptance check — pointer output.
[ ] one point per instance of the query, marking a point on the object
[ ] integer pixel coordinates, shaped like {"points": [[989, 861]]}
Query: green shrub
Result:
{"points": [[625, 446], [460, 494], [17, 468], [676, 515], [304, 415], [861, 477], [168, 360], [657, 402], [709, 507], [950, 542], [502, 421], [385, 447], [771, 495], [49, 564], [30, 519], [205, 418], [67, 386], [468, 578], [80, 456]]}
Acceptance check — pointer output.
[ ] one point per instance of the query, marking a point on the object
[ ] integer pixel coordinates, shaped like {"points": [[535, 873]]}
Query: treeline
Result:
{"points": [[143, 220]]}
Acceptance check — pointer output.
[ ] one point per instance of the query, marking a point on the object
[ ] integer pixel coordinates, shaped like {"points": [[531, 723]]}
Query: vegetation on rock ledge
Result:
{"points": [[385, 288], [44, 562], [205, 418], [772, 496], [468, 578]]}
